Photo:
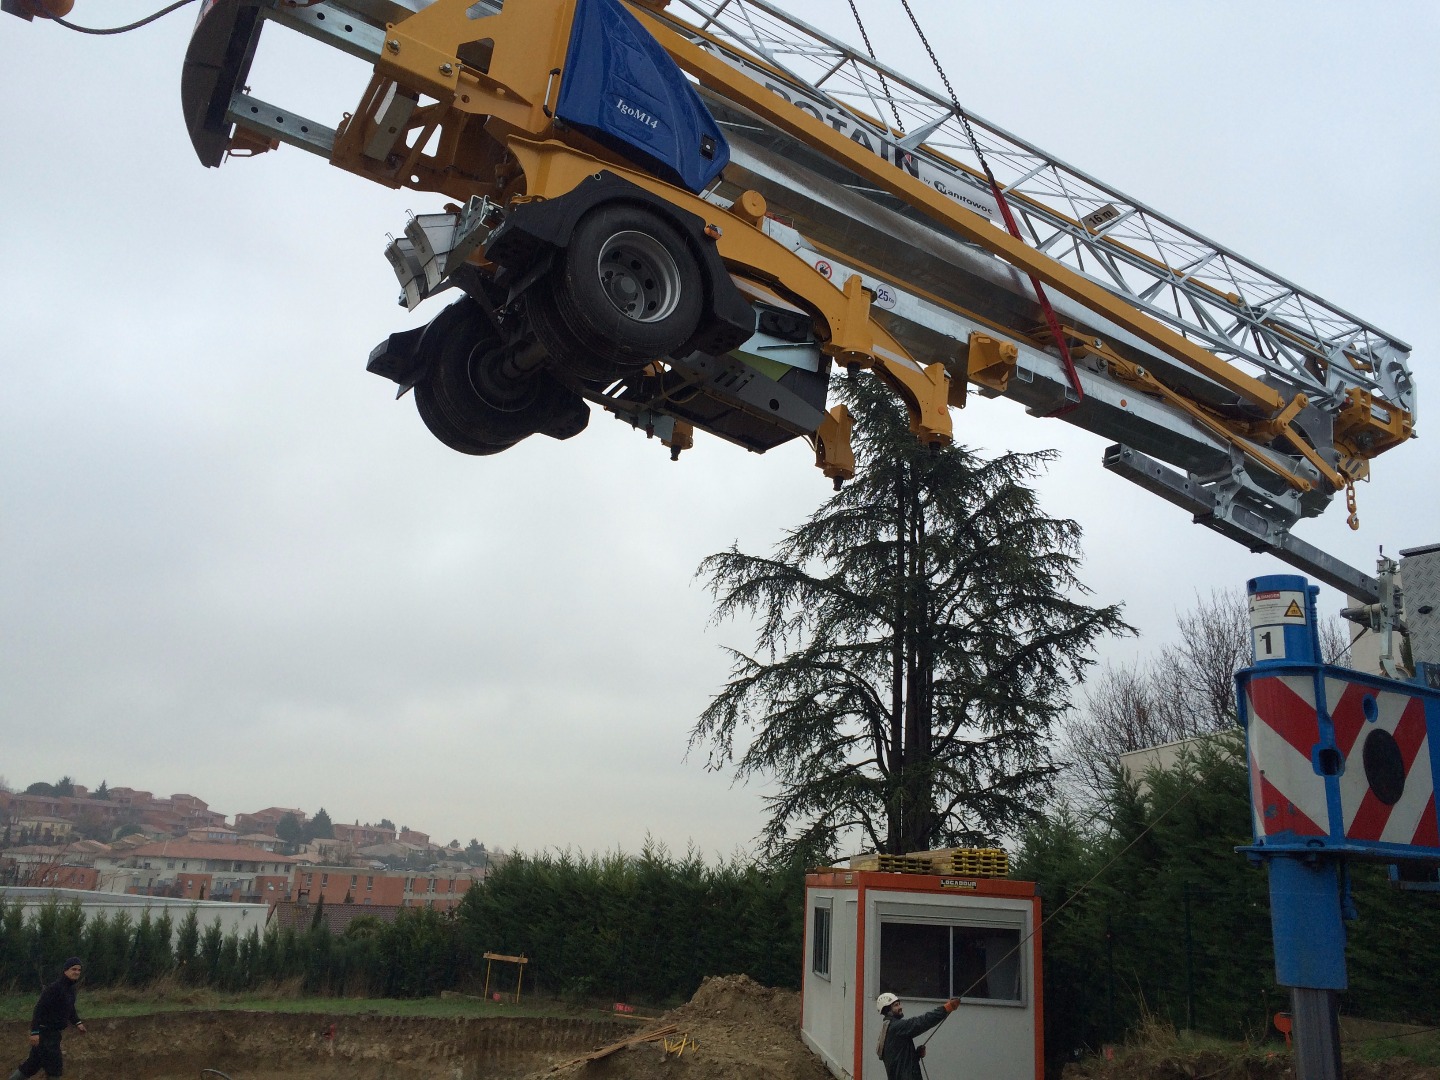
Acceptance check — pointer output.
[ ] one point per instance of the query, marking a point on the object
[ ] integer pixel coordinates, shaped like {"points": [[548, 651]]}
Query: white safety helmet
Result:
{"points": [[884, 1001]]}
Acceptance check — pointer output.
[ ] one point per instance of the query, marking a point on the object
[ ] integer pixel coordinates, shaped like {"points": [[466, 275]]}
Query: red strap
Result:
{"points": [[1050, 320]]}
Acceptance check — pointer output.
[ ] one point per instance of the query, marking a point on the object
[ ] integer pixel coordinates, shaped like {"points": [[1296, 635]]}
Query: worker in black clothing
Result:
{"points": [[897, 1047], [54, 1012]]}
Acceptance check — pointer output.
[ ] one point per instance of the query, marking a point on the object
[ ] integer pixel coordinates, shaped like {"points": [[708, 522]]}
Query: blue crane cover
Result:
{"points": [[621, 88]]}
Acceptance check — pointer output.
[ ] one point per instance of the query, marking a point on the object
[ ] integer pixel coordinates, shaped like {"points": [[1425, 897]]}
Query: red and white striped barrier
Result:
{"points": [[1383, 787]]}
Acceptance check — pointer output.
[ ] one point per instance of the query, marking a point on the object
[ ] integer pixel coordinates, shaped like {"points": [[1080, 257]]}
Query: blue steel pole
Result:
{"points": [[1306, 916]]}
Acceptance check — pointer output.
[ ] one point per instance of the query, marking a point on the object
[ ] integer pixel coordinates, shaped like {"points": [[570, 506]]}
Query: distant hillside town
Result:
{"points": [[120, 840]]}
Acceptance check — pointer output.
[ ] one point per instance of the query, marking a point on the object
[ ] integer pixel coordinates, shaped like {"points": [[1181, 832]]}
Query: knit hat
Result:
{"points": [[70, 961]]}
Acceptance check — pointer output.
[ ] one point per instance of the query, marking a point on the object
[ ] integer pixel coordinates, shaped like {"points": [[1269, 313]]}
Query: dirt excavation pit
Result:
{"points": [[732, 1029], [305, 1046]]}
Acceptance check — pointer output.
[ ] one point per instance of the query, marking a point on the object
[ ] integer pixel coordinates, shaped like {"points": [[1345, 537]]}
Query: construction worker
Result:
{"points": [[54, 1012], [896, 1047]]}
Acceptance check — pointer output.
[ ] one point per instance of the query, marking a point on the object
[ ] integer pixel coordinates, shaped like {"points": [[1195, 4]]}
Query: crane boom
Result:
{"points": [[1238, 310], [687, 211]]}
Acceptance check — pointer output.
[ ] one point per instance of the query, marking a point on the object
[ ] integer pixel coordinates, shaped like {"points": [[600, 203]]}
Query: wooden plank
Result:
{"points": [[606, 1051]]}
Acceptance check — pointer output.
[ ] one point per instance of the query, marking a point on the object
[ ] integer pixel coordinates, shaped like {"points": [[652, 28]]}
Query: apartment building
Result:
{"points": [[70, 866], [213, 834], [301, 916], [199, 871], [360, 836], [20, 809], [439, 889], [264, 821]]}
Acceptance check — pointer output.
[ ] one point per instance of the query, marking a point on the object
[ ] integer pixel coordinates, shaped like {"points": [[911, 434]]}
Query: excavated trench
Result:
{"points": [[277, 1046]]}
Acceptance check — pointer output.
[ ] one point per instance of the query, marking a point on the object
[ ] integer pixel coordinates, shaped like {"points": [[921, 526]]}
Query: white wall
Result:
{"points": [[239, 917], [826, 998]]}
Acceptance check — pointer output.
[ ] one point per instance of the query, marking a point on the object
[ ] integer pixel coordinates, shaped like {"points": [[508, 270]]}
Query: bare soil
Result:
{"points": [[288, 1046], [732, 1029]]}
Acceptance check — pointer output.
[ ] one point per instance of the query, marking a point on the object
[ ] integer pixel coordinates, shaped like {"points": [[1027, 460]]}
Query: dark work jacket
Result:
{"points": [[55, 1011], [902, 1060]]}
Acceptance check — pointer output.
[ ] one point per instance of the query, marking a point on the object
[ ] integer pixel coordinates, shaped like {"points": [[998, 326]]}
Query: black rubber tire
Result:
{"points": [[456, 344], [577, 312], [467, 340], [454, 323], [440, 425]]}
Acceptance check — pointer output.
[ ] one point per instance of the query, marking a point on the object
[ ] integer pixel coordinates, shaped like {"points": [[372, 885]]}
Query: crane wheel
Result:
{"points": [[472, 403], [440, 425], [626, 291]]}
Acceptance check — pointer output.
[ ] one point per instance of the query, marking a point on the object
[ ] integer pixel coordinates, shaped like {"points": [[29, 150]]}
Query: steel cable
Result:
{"points": [[1078, 892]]}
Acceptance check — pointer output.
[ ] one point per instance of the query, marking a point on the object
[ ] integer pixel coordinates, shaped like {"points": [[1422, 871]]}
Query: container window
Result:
{"points": [[820, 943], [936, 961], [986, 962], [915, 959]]}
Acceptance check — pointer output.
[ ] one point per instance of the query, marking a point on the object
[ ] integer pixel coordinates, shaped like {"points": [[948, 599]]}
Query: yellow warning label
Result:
{"points": [[1293, 611]]}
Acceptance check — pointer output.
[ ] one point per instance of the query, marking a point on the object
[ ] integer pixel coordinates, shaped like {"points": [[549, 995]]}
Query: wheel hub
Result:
{"points": [[639, 277]]}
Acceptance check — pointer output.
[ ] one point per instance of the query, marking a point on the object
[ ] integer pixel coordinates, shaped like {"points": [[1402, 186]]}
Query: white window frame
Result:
{"points": [[822, 931], [951, 924]]}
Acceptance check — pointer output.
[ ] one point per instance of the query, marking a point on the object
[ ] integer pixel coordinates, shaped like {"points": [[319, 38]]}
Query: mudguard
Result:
{"points": [[217, 63], [532, 228]]}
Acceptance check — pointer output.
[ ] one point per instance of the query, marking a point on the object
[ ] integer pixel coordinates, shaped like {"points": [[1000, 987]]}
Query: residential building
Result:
{"points": [[42, 864], [394, 851], [338, 885], [363, 835], [124, 796], [65, 876], [213, 834], [1162, 757], [40, 828], [75, 811], [330, 852], [266, 820], [300, 915], [189, 869]]}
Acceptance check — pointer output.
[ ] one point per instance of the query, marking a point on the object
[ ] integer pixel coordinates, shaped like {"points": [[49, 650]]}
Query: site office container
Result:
{"points": [[926, 938]]}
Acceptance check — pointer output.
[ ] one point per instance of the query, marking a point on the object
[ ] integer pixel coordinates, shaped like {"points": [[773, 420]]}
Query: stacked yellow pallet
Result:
{"points": [[958, 862], [905, 864], [971, 862]]}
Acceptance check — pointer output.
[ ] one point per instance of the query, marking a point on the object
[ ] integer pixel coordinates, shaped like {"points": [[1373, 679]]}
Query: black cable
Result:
{"points": [[122, 29]]}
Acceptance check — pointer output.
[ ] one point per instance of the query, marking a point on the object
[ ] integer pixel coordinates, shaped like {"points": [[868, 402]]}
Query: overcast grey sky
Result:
{"points": [[231, 564]]}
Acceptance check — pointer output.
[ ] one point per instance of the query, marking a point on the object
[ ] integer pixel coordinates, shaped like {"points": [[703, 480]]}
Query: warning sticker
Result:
{"points": [[1279, 608]]}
